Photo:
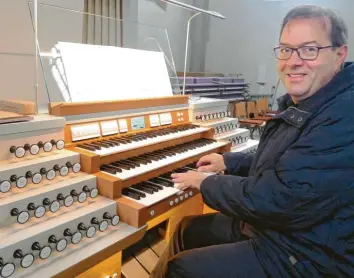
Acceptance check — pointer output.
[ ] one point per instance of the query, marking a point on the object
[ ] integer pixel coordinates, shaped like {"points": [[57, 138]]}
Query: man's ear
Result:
{"points": [[342, 53]]}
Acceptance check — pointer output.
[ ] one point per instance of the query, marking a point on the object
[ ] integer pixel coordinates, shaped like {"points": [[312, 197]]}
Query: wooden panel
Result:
{"points": [[90, 162], [262, 104], [147, 258], [251, 122], [137, 215], [101, 256], [251, 109], [193, 206], [263, 118], [132, 269], [106, 268], [240, 110], [207, 209], [18, 106], [68, 109], [159, 247], [175, 123]]}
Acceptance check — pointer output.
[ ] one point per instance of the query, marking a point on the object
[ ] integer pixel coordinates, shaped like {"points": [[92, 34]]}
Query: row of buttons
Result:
{"points": [[54, 206], [224, 128], [35, 148], [36, 178], [212, 116], [238, 140], [175, 201], [181, 198], [44, 251]]}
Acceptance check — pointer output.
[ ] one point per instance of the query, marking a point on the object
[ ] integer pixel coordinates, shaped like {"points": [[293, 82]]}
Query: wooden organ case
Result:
{"points": [[132, 147]]}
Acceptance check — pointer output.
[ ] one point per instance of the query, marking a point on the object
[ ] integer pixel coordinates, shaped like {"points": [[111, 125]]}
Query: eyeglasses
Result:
{"points": [[307, 53]]}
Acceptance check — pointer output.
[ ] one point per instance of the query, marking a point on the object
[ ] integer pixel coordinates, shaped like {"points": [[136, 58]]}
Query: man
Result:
{"points": [[288, 210]]}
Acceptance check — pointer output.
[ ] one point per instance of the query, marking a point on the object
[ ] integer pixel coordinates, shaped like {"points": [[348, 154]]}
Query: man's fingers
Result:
{"points": [[178, 178], [203, 160], [208, 168], [181, 186]]}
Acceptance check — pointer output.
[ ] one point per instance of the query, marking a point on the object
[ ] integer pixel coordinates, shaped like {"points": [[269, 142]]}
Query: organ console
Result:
{"points": [[133, 154], [91, 179]]}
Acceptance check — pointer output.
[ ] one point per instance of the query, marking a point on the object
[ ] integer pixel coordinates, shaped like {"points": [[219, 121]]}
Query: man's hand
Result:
{"points": [[191, 179], [211, 163]]}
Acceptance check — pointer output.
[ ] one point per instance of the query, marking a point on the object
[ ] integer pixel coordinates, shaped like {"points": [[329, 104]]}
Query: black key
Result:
{"points": [[141, 194], [155, 184], [129, 193], [119, 165], [165, 179], [121, 162], [91, 145], [118, 169], [108, 170], [140, 160], [143, 188], [87, 148], [135, 164]]}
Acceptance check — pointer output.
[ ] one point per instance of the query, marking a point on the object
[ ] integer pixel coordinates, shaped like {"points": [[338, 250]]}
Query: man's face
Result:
{"points": [[303, 78]]}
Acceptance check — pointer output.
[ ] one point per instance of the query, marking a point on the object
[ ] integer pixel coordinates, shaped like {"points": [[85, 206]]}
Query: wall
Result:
{"points": [[17, 60], [239, 44], [173, 19], [245, 40]]}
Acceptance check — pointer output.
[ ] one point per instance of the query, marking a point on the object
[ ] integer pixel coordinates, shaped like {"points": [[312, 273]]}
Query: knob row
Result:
{"points": [[216, 115], [36, 178], [35, 148], [238, 140], [184, 196], [224, 128], [44, 251], [53, 206]]}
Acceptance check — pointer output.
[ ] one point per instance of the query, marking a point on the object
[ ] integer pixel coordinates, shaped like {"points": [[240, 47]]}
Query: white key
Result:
{"points": [[149, 141], [126, 174]]}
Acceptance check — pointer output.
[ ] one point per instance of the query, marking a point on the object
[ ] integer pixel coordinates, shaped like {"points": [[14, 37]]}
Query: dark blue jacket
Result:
{"points": [[297, 191]]}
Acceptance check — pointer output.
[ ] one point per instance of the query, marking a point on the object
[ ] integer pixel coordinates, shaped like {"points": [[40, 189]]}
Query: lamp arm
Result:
{"points": [[186, 52]]}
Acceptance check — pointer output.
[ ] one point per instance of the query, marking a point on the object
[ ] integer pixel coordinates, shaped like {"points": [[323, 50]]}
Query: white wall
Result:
{"points": [[17, 60], [245, 40], [239, 44]]}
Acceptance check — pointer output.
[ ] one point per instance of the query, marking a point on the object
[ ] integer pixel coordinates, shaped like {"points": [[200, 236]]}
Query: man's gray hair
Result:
{"points": [[339, 30]]}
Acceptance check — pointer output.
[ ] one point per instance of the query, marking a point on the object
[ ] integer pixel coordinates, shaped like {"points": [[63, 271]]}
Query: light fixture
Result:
{"points": [[199, 11], [193, 8], [36, 54]]}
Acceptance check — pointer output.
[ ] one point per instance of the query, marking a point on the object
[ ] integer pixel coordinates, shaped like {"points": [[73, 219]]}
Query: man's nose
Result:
{"points": [[295, 59]]}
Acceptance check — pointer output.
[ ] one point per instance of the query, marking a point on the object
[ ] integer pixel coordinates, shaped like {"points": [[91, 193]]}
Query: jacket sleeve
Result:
{"points": [[238, 163], [311, 180]]}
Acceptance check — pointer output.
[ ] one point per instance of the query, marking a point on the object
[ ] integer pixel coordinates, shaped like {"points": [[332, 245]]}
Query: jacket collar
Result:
{"points": [[298, 114]]}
